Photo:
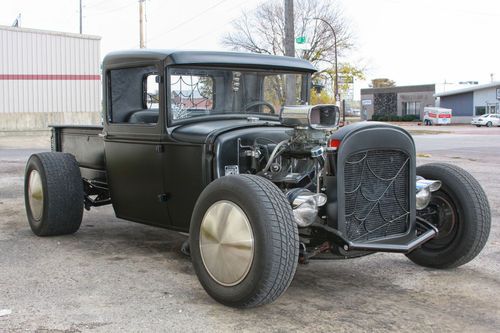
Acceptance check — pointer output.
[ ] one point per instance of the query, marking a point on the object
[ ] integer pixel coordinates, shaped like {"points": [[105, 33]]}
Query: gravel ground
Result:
{"points": [[114, 275]]}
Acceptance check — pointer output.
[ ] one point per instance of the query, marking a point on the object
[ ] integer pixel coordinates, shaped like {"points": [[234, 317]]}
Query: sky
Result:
{"points": [[408, 41]]}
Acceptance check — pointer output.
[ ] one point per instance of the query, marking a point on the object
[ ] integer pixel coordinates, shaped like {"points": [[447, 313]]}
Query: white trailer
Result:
{"points": [[437, 116], [48, 77]]}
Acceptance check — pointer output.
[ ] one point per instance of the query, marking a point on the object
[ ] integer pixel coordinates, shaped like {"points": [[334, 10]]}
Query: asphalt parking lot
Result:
{"points": [[114, 275]]}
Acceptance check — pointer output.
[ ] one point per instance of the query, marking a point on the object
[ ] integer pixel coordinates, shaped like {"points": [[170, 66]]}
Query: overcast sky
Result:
{"points": [[409, 41]]}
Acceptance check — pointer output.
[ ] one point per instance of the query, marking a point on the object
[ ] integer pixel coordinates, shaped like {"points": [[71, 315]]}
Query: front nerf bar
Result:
{"points": [[428, 233]]}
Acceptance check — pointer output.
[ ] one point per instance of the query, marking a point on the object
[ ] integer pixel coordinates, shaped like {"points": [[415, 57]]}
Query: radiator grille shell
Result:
{"points": [[376, 192]]}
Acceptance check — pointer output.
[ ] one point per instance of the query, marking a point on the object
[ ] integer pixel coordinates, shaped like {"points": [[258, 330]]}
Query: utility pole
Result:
{"points": [[290, 50], [81, 29], [142, 41]]}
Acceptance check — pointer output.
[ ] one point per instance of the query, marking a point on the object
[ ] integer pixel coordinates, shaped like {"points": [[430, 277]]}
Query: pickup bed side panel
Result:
{"points": [[86, 145]]}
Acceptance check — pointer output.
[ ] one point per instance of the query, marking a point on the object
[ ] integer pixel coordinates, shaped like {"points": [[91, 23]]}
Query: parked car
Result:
{"points": [[260, 186], [488, 120]]}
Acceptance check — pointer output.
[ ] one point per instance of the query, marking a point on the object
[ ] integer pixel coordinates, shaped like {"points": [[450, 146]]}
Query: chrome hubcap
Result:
{"points": [[226, 243], [35, 195]]}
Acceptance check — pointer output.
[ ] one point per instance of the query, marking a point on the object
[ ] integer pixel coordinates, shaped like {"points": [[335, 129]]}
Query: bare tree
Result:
{"points": [[263, 31]]}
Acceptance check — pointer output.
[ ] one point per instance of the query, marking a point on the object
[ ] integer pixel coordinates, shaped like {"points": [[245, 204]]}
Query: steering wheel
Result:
{"points": [[256, 103]]}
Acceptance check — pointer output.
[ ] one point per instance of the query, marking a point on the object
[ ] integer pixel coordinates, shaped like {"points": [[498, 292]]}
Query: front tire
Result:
{"points": [[244, 241], [53, 193], [460, 210]]}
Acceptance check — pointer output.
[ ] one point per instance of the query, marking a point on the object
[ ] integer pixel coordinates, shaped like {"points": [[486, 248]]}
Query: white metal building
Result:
{"points": [[48, 77], [471, 101]]}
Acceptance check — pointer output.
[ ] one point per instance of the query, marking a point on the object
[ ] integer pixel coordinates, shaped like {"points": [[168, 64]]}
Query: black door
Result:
{"points": [[133, 155]]}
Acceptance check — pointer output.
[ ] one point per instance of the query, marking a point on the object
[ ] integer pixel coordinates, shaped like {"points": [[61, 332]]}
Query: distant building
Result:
{"points": [[471, 101], [398, 101], [48, 77]]}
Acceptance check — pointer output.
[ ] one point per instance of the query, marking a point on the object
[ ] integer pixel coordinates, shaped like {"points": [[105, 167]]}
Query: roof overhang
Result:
{"points": [[473, 88]]}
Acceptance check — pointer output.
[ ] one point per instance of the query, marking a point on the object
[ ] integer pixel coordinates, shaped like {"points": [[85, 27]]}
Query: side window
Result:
{"points": [[133, 95], [152, 89]]}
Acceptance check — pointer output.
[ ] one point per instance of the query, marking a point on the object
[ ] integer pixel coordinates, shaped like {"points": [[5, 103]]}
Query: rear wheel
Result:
{"points": [[489, 124], [460, 210], [244, 241], [53, 193]]}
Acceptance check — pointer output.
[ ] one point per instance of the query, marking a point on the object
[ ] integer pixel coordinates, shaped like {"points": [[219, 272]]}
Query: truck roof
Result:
{"points": [[211, 58]]}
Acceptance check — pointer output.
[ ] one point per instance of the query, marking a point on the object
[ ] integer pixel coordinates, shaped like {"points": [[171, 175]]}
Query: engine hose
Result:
{"points": [[274, 154]]}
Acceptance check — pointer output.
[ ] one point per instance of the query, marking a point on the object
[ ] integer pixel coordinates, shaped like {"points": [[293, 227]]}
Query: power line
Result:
{"points": [[95, 4], [226, 22], [189, 20], [112, 10]]}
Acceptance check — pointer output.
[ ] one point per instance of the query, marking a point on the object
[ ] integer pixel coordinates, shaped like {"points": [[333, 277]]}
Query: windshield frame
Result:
{"points": [[306, 84]]}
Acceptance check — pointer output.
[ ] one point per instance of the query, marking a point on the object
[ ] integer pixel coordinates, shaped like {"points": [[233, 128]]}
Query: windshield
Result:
{"points": [[196, 92]]}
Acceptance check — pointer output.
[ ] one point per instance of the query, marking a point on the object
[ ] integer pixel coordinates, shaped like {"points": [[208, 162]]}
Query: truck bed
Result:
{"points": [[85, 144]]}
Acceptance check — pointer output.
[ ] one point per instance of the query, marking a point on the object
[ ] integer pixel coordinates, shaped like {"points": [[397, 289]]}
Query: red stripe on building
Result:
{"points": [[77, 77]]}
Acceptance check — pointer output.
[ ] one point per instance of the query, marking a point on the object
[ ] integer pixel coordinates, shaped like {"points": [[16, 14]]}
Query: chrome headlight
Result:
{"points": [[305, 205], [424, 189]]}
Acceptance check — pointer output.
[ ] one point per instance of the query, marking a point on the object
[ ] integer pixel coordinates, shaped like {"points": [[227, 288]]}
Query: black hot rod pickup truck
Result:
{"points": [[225, 147]]}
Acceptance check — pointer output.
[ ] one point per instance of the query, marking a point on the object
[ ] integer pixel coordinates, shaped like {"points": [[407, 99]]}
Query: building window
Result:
{"points": [[411, 108], [480, 110]]}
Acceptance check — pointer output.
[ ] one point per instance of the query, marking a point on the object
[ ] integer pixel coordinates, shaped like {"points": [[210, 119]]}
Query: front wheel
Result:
{"points": [[244, 241], [460, 210]]}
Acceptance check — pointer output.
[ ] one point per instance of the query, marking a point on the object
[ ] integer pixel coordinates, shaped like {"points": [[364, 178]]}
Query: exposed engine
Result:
{"points": [[296, 164]]}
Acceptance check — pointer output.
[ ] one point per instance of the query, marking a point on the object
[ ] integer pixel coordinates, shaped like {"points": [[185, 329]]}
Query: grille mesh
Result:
{"points": [[376, 194]]}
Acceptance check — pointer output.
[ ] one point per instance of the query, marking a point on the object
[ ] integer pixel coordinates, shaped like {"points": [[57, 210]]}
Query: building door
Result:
{"points": [[492, 108]]}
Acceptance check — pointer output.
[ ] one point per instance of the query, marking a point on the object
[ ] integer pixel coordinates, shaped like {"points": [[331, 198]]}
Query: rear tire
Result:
{"points": [[53, 193], [259, 266], [460, 211], [489, 124]]}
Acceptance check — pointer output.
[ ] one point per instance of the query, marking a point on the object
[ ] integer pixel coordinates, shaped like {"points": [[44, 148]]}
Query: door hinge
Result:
{"points": [[159, 149], [163, 197]]}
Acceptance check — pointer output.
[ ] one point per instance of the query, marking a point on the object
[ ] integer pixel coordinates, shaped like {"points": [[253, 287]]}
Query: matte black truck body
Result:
{"points": [[225, 147]]}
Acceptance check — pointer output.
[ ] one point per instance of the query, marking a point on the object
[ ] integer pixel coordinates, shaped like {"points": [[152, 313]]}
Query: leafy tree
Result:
{"points": [[382, 83]]}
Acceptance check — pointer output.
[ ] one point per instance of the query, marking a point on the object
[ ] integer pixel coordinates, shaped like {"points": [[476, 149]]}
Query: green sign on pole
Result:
{"points": [[301, 40]]}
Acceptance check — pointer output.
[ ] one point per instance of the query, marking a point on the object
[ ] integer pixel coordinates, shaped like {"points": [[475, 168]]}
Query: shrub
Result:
{"points": [[392, 117]]}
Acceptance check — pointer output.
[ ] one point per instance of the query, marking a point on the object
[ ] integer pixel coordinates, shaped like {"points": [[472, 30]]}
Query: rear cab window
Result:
{"points": [[133, 95]]}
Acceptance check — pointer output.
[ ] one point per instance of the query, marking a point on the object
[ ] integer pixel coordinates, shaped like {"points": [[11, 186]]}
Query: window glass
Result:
{"points": [[190, 94], [411, 108], [198, 91], [276, 93], [133, 95], [152, 91], [480, 110]]}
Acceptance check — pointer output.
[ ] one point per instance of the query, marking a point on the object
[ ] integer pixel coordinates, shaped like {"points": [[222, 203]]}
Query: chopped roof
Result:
{"points": [[213, 58], [468, 89]]}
